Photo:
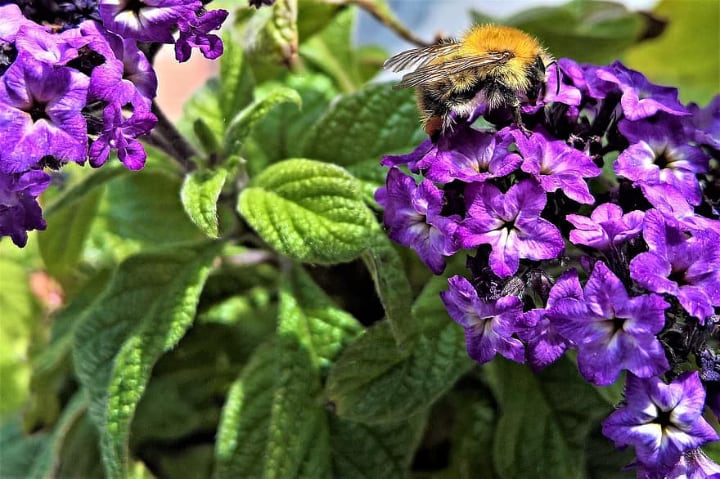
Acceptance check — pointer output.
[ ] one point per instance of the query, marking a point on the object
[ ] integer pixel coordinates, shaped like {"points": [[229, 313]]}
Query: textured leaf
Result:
{"points": [[373, 381], [362, 451], [270, 39], [48, 460], [19, 451], [545, 419], [69, 219], [145, 310], [235, 77], [308, 210], [310, 317], [199, 195], [298, 425], [244, 425], [243, 123], [472, 436], [364, 125], [146, 207], [683, 55], [392, 286]]}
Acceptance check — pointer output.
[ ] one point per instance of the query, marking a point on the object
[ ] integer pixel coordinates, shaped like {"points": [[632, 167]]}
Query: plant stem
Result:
{"points": [[384, 16], [167, 137]]}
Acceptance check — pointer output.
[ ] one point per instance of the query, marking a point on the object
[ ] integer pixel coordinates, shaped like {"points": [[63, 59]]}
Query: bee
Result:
{"points": [[492, 64]]}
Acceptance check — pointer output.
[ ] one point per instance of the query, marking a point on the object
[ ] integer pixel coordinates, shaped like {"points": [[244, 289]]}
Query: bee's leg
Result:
{"points": [[517, 114]]}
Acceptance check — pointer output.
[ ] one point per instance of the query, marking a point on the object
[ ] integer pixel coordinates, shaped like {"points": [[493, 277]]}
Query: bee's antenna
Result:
{"points": [[557, 75]]}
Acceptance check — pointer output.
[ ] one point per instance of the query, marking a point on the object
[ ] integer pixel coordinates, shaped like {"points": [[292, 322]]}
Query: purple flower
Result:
{"points": [[567, 93], [659, 154], [489, 325], [556, 165], [53, 49], [41, 115], [195, 33], [146, 20], [418, 156], [412, 217], [126, 76], [19, 210], [707, 123], [544, 344], [687, 267], [640, 98], [510, 223], [119, 134], [662, 421], [606, 227], [470, 155], [12, 20], [613, 331]]}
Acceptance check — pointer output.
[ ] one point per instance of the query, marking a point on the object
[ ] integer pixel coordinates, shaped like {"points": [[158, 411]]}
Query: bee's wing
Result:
{"points": [[438, 71], [420, 56]]}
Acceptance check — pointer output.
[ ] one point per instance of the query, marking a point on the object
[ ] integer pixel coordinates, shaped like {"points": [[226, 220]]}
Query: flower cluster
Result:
{"points": [[594, 227], [75, 85]]}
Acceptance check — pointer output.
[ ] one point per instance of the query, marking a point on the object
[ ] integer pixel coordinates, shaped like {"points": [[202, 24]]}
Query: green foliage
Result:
{"points": [[585, 31], [308, 210], [208, 327], [684, 55]]}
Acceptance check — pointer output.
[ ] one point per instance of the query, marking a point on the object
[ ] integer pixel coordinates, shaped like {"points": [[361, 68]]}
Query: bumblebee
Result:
{"points": [[492, 64]]}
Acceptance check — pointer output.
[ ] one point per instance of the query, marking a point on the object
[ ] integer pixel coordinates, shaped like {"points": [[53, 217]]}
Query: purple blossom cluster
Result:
{"points": [[75, 85], [592, 227]]}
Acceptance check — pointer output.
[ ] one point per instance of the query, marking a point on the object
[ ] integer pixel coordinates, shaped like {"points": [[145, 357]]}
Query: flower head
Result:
{"points": [[490, 326], [662, 421], [606, 227], [612, 330], [510, 223], [412, 216], [683, 265]]}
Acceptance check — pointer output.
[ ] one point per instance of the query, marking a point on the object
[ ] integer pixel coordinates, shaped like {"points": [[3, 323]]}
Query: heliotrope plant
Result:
{"points": [[595, 231], [76, 84]]}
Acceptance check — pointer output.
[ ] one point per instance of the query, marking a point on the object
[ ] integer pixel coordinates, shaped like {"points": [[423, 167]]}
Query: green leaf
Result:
{"points": [[592, 32], [146, 207], [270, 39], [48, 460], [199, 195], [308, 210], [373, 381], [52, 365], [144, 312], [236, 78], [365, 125], [313, 16], [362, 451], [69, 219], [545, 419], [19, 451], [204, 107], [310, 317], [243, 430], [683, 56], [392, 286], [472, 435], [331, 52], [244, 122], [18, 312], [281, 134]]}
